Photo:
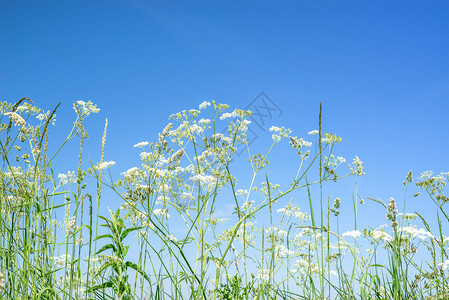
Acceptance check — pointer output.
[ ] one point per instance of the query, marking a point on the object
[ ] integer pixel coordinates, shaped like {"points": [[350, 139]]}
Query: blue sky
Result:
{"points": [[380, 68]]}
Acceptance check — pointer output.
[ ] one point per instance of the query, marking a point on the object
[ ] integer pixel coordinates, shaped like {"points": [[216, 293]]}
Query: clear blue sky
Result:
{"points": [[380, 68]]}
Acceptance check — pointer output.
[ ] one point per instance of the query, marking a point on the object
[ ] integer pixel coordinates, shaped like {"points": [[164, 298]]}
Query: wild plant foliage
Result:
{"points": [[169, 239]]}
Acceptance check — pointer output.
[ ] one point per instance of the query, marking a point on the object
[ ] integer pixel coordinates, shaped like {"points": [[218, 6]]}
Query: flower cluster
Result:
{"points": [[85, 108], [422, 234], [294, 210], [380, 235], [356, 167], [161, 212], [17, 120], [279, 133], [330, 138], [354, 234], [265, 274], [444, 265], [104, 165], [62, 260]]}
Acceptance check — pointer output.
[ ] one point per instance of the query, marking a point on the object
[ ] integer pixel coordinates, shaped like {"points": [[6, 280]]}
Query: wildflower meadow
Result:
{"points": [[166, 237]]}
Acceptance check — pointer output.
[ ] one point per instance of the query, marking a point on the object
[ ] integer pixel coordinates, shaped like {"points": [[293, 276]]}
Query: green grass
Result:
{"points": [[55, 244]]}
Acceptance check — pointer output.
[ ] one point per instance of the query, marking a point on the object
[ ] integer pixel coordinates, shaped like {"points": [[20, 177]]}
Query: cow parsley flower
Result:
{"points": [[422, 234], [204, 179], [140, 145], [443, 266], [353, 233], [264, 274], [104, 165], [161, 212], [279, 133], [380, 235], [356, 167], [284, 251], [228, 115], [16, 119], [131, 173], [85, 108], [204, 105]]}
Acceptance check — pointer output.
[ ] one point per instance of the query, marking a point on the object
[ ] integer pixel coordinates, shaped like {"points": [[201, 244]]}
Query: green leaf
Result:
{"points": [[104, 236], [125, 251], [103, 285], [138, 270], [127, 231], [106, 247]]}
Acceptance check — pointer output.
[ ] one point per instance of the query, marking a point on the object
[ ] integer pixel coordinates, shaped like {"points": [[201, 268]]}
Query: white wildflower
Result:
{"points": [[330, 138], [228, 115], [131, 173], [284, 251], [443, 266], [204, 105], [416, 233], [195, 129], [247, 205], [356, 167], [161, 212], [61, 261], [204, 122], [204, 179], [85, 108], [353, 233], [279, 133], [241, 192], [104, 165], [140, 145], [264, 274], [16, 119], [71, 226], [380, 235]]}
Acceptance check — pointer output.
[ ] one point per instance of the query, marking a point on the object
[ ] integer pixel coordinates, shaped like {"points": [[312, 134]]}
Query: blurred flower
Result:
{"points": [[354, 233]]}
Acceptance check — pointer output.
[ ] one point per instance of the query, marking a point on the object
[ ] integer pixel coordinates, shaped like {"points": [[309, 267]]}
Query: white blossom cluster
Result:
{"points": [[380, 235], [66, 178], [353, 233], [161, 212], [330, 138], [279, 133], [422, 234], [104, 165], [61, 261], [141, 145], [204, 105], [85, 108], [294, 210], [16, 119], [71, 226], [283, 251], [265, 274], [444, 265], [356, 167]]}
